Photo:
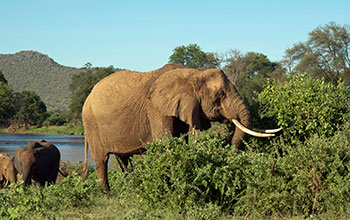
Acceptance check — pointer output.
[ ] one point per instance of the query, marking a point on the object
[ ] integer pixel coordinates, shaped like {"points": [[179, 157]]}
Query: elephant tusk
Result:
{"points": [[268, 131], [248, 131]]}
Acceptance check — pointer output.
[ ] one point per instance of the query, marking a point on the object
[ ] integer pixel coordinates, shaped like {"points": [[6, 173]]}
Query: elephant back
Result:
{"points": [[33, 145], [4, 155], [50, 149]]}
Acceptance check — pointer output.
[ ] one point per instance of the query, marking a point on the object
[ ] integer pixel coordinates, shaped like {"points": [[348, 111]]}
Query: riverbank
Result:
{"points": [[64, 129]]}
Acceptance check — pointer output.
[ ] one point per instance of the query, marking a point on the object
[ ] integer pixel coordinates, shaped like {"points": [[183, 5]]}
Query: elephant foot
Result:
{"points": [[105, 187], [109, 194], [84, 176]]}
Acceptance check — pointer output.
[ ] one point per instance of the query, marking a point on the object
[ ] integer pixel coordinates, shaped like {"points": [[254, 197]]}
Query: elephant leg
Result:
{"points": [[53, 174], [101, 169], [27, 177], [41, 182], [180, 128], [51, 178], [124, 162]]}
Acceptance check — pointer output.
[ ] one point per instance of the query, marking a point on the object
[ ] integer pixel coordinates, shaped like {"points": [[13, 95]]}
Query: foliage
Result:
{"points": [[205, 178], [7, 104], [192, 56], [64, 129], [316, 174], [55, 118], [30, 70], [324, 54], [81, 86], [250, 71], [32, 110], [20, 108], [180, 174], [2, 78], [303, 106], [310, 179], [21, 202]]}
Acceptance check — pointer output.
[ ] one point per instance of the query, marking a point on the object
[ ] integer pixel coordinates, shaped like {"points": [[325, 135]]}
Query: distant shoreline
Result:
{"points": [[65, 129]]}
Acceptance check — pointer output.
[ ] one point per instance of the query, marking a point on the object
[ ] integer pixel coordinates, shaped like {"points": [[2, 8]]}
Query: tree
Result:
{"points": [[325, 54], [32, 110], [7, 104], [81, 86], [250, 71], [192, 56], [304, 106], [2, 78], [55, 118]]}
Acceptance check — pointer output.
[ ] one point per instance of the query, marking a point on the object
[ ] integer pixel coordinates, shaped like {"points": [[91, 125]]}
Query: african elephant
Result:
{"points": [[38, 161], [8, 172], [127, 109]]}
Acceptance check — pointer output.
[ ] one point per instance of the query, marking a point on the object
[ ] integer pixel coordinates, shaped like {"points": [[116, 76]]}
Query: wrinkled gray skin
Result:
{"points": [[38, 161], [8, 172], [127, 109]]}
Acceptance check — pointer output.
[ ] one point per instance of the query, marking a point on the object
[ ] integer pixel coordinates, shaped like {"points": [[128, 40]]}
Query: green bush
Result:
{"points": [[205, 178], [21, 202], [303, 106], [55, 118], [175, 173], [316, 178], [206, 171], [310, 179]]}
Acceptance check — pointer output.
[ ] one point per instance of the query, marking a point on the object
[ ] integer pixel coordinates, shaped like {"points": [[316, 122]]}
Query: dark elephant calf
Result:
{"points": [[38, 161]]}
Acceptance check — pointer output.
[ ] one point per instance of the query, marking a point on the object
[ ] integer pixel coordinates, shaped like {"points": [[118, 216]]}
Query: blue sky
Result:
{"points": [[141, 35]]}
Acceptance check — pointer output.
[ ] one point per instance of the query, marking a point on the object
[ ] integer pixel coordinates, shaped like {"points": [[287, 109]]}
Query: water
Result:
{"points": [[71, 147]]}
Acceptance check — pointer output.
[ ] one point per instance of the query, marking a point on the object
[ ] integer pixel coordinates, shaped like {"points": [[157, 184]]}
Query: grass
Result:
{"points": [[64, 129]]}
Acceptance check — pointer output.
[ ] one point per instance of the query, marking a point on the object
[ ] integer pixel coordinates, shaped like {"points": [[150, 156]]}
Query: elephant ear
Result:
{"points": [[32, 145], [20, 150], [175, 96]]}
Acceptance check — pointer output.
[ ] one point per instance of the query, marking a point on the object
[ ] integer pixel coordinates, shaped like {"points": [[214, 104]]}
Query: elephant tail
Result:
{"points": [[85, 170]]}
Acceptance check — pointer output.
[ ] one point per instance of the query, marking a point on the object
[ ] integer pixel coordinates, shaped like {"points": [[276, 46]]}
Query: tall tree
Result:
{"points": [[250, 71], [2, 78], [32, 110], [7, 105], [192, 56], [81, 86], [325, 53]]}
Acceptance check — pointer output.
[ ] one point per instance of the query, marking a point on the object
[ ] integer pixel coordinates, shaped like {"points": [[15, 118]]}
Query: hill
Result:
{"points": [[31, 70]]}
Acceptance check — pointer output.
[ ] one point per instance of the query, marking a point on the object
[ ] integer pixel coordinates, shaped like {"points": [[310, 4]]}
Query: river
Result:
{"points": [[71, 147]]}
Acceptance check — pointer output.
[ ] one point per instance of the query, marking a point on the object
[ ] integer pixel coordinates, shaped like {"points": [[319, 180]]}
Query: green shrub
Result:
{"points": [[19, 202], [310, 179], [175, 173], [205, 178], [303, 106], [55, 118]]}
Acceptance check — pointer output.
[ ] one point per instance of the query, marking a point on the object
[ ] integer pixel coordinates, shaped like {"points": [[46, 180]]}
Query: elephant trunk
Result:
{"points": [[244, 117], [233, 108], [238, 112], [27, 176], [12, 172], [12, 177]]}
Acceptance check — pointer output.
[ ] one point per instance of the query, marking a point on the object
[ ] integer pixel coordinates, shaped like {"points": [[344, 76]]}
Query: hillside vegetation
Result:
{"points": [[31, 70]]}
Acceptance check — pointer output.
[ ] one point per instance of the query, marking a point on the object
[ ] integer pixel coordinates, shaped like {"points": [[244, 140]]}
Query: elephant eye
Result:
{"points": [[217, 97], [220, 94]]}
